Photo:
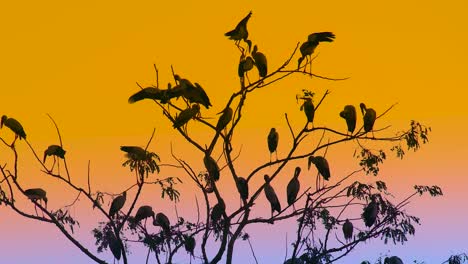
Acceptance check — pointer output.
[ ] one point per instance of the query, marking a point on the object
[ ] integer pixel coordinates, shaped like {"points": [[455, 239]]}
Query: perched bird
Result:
{"points": [[393, 260], [271, 196], [242, 187], [322, 166], [144, 212], [36, 194], [212, 167], [369, 117], [117, 204], [146, 93], [193, 93], [307, 48], [370, 213], [349, 114], [114, 246], [186, 114], [218, 211], [240, 32], [135, 152], [189, 243], [272, 139], [162, 221], [260, 62], [14, 125], [309, 109], [54, 150], [348, 230], [293, 187], [245, 65], [224, 119]]}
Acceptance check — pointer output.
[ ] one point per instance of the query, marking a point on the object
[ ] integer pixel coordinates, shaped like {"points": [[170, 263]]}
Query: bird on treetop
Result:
{"points": [[322, 166], [14, 126], [242, 187], [240, 32], [349, 114], [293, 187], [224, 119], [117, 204], [36, 194], [348, 230], [54, 150], [271, 196], [369, 116], [313, 40], [272, 140], [261, 62]]}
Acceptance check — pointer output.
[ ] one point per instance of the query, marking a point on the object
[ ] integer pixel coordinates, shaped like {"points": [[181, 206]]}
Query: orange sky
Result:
{"points": [[79, 62]]}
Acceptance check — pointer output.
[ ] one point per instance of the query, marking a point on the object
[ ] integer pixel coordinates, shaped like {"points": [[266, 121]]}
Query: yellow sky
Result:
{"points": [[79, 62]]}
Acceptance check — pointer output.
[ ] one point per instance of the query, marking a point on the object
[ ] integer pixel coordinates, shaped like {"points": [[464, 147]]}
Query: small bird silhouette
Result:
{"points": [[14, 126], [293, 187], [370, 213], [307, 48], [240, 32], [261, 62], [54, 150], [212, 168], [242, 187], [369, 117], [349, 114], [348, 230], [272, 140], [117, 204], [271, 196]]}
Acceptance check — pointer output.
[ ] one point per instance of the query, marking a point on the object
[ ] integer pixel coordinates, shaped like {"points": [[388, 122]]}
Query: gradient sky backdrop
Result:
{"points": [[79, 62]]}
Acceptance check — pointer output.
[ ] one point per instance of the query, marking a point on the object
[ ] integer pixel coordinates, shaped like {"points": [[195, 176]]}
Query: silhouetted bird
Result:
{"points": [[54, 150], [224, 119], [349, 114], [309, 109], [348, 230], [271, 196], [193, 93], [144, 212], [370, 213], [322, 166], [242, 187], [14, 125], [293, 187], [212, 167], [146, 93], [393, 260], [163, 221], [135, 152], [245, 65], [240, 32], [185, 115], [369, 117], [313, 40], [117, 204], [114, 246], [189, 243], [36, 194], [261, 62], [218, 211], [272, 139]]}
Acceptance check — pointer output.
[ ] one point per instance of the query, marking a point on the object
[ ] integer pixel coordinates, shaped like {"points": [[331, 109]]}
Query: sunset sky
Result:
{"points": [[80, 61]]}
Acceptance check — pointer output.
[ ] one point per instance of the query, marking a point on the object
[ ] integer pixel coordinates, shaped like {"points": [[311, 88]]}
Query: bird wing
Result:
{"points": [[321, 37], [146, 93]]}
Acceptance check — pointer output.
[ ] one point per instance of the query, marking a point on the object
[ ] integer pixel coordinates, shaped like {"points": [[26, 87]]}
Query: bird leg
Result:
{"points": [[58, 165], [13, 143]]}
